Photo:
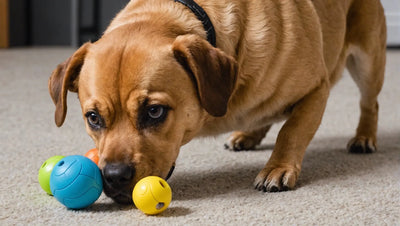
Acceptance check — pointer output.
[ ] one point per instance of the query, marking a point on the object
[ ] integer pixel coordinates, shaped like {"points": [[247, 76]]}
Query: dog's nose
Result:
{"points": [[118, 175]]}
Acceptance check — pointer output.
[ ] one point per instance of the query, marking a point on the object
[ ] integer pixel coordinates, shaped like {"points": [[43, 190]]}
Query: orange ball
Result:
{"points": [[93, 154]]}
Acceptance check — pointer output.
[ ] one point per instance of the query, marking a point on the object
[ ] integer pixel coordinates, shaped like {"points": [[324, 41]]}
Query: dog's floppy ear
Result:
{"points": [[65, 77], [213, 71]]}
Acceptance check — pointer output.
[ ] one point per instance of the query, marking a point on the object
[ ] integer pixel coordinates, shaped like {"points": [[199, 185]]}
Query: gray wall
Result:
{"points": [[392, 12], [51, 22], [58, 22], [19, 26], [108, 11]]}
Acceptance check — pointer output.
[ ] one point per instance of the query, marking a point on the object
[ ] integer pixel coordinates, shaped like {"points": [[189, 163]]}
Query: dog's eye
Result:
{"points": [[94, 120], [152, 116], [156, 112]]}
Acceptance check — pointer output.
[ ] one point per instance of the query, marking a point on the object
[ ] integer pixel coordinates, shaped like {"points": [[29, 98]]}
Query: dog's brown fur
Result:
{"points": [[276, 60]]}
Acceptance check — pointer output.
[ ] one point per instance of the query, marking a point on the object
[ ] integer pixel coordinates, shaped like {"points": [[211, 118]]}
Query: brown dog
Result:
{"points": [[153, 82]]}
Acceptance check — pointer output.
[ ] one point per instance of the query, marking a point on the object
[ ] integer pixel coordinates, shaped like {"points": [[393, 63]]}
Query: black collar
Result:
{"points": [[203, 17]]}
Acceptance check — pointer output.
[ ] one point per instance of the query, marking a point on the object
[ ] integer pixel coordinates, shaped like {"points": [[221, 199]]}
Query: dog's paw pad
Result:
{"points": [[361, 145], [276, 179]]}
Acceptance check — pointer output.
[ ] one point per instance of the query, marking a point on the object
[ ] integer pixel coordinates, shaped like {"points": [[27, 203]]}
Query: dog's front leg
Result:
{"points": [[283, 168]]}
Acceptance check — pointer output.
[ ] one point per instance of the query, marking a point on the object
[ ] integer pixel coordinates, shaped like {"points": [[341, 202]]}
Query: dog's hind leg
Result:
{"points": [[367, 71], [239, 141], [366, 64]]}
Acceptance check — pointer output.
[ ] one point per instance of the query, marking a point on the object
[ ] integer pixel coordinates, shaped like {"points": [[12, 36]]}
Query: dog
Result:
{"points": [[165, 72]]}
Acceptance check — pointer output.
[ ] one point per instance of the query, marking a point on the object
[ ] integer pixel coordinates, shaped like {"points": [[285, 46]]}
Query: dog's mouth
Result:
{"points": [[119, 195], [123, 195]]}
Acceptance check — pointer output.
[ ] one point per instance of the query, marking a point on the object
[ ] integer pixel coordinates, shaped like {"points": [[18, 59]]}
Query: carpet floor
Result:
{"points": [[211, 186]]}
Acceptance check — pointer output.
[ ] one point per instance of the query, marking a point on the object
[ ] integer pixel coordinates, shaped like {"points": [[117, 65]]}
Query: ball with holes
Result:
{"points": [[76, 182], [152, 195], [45, 172]]}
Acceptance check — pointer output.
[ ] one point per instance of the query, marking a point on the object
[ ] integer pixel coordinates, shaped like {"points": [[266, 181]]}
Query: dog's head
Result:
{"points": [[142, 98]]}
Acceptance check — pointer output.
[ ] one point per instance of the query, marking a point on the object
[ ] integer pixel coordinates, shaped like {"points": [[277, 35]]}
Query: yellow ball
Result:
{"points": [[152, 195]]}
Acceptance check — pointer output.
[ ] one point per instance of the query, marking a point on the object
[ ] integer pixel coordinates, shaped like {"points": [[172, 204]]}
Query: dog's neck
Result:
{"points": [[203, 17], [222, 13]]}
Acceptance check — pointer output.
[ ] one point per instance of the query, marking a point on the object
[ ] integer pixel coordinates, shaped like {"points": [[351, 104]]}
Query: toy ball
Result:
{"points": [[76, 182], [93, 154], [45, 172], [152, 195]]}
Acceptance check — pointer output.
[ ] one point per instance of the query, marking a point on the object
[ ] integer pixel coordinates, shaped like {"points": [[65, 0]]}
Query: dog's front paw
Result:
{"points": [[239, 141], [360, 145], [275, 179]]}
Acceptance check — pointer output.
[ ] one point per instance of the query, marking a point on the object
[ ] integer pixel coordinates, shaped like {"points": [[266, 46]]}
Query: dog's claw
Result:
{"points": [[361, 145], [274, 189], [259, 186], [234, 148], [239, 142], [239, 147], [276, 179]]}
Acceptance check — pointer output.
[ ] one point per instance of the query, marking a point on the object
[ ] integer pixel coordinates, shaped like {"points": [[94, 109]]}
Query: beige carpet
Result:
{"points": [[211, 186]]}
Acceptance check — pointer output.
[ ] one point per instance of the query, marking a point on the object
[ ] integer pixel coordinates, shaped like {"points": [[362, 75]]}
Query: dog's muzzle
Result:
{"points": [[117, 181]]}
